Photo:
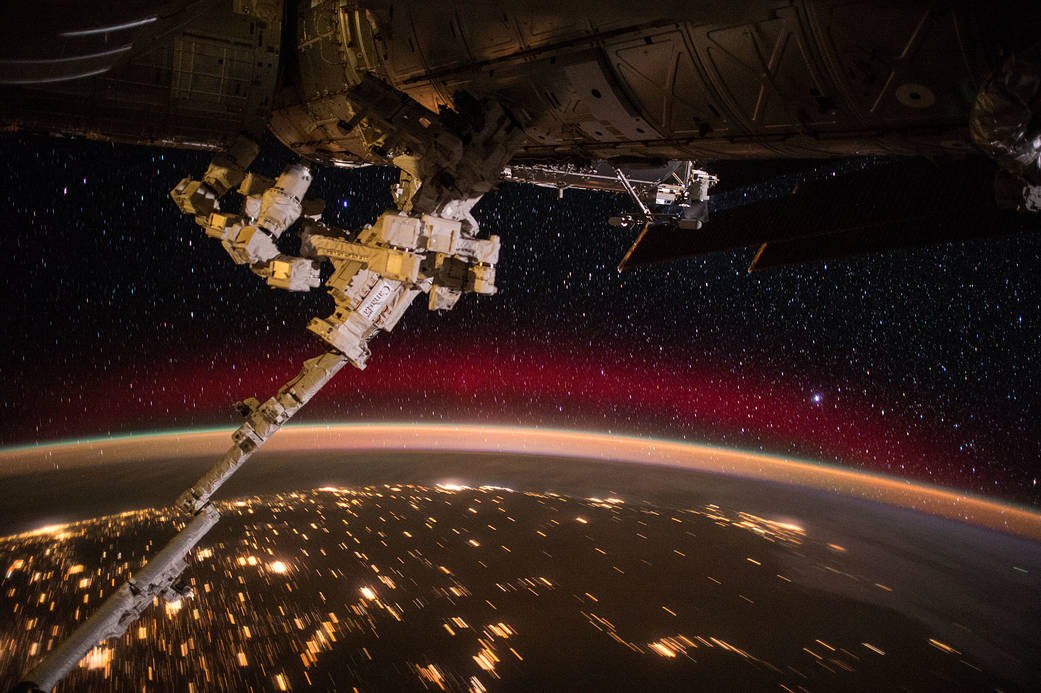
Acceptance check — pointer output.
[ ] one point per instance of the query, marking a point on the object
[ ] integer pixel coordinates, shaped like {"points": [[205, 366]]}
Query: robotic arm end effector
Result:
{"points": [[290, 273]]}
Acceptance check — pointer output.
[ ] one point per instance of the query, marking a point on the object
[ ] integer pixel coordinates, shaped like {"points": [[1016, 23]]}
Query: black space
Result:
{"points": [[921, 362]]}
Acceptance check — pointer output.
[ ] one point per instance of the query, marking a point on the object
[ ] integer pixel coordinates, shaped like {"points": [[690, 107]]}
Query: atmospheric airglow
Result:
{"points": [[537, 442]]}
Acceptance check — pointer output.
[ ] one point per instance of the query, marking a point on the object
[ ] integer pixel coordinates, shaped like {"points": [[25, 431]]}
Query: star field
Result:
{"points": [[122, 316]]}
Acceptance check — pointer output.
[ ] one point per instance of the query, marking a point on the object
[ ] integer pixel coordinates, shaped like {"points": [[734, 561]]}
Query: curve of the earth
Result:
{"points": [[537, 442]]}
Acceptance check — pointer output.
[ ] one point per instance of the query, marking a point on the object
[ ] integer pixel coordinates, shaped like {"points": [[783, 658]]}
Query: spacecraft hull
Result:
{"points": [[808, 79], [706, 80]]}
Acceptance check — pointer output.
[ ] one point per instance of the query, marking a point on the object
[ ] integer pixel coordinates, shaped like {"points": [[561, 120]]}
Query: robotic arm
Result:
{"points": [[430, 247], [158, 579], [270, 208], [377, 273]]}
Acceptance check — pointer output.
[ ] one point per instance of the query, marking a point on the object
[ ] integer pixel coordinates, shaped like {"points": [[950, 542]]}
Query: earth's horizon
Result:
{"points": [[677, 564], [518, 440]]}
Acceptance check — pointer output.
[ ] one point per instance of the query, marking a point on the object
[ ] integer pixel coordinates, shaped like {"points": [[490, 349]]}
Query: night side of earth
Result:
{"points": [[438, 557]]}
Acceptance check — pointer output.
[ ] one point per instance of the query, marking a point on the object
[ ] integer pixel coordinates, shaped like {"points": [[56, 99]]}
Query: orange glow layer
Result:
{"points": [[539, 442]]}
